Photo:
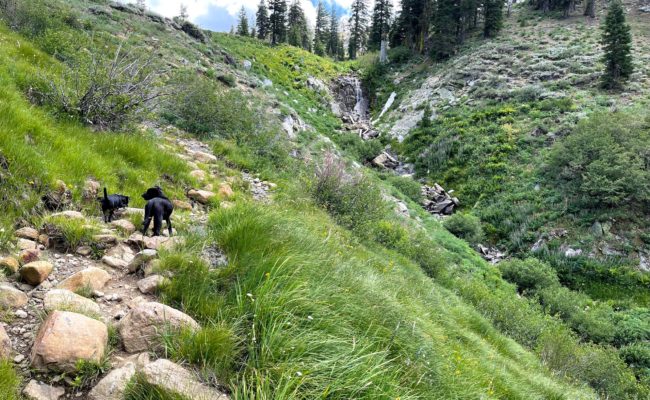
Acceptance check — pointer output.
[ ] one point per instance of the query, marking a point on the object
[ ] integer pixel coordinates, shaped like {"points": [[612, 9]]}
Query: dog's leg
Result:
{"points": [[157, 224], [147, 221], [169, 226], [110, 215]]}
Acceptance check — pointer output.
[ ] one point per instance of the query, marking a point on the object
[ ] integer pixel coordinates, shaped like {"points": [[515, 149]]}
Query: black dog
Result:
{"points": [[158, 207], [112, 203]]}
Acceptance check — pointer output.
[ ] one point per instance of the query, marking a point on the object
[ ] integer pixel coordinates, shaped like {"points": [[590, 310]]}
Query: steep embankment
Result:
{"points": [[327, 292]]}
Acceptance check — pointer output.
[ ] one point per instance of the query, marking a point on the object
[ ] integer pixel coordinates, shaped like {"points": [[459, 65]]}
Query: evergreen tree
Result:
{"points": [[278, 21], [242, 25], [590, 9], [617, 43], [253, 32], [333, 41], [262, 21], [493, 17], [358, 28], [447, 24], [298, 34], [414, 22], [381, 15], [321, 31], [141, 4], [183, 13]]}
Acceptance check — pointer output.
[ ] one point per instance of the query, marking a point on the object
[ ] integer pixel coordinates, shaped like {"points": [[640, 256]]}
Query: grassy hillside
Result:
{"points": [[328, 293]]}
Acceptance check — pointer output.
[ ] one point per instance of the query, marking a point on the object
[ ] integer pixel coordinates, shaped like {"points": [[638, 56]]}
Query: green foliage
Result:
{"points": [[359, 149], [529, 274], [87, 373], [465, 226], [409, 187], [9, 381], [633, 326], [352, 200], [604, 162], [400, 55], [69, 233], [617, 43], [637, 355], [139, 389]]}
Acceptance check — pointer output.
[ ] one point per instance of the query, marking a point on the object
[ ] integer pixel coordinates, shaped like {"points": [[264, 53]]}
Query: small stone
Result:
{"points": [[25, 244], [65, 300], [44, 240], [175, 379], [40, 391], [225, 191], [21, 314], [203, 157], [19, 358], [114, 262], [28, 256], [27, 233], [150, 284], [9, 264], [142, 258], [69, 215], [106, 239], [182, 205], [113, 386], [5, 344], [35, 272], [202, 196], [124, 225], [199, 174], [93, 278]]}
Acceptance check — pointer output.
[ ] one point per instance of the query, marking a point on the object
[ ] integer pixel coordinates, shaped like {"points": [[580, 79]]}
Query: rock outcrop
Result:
{"points": [[438, 201]]}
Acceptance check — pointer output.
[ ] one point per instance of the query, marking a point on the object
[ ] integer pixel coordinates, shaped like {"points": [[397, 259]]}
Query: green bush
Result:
{"points": [[9, 381], [465, 226], [409, 187], [604, 162], [352, 200], [632, 326], [399, 55], [637, 356], [529, 274], [390, 234]]}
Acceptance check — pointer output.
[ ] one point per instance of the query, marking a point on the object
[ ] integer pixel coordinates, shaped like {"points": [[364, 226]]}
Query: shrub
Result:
{"points": [[352, 200], [604, 162], [31, 18], [529, 274], [409, 187], [193, 30], [637, 356], [107, 93], [390, 234], [465, 226], [399, 55], [632, 326]]}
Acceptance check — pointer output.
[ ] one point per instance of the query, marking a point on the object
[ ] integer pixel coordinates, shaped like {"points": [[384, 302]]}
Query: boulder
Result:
{"points": [[182, 205], [113, 385], [35, 272], [44, 240], [64, 338], [141, 328], [175, 379], [5, 344], [92, 278], [9, 264], [91, 189], [10, 297], [121, 252], [27, 233], [25, 244], [124, 225], [28, 256], [65, 300], [142, 258], [115, 262], [84, 250], [149, 284], [438, 201], [105, 239], [136, 239], [69, 214], [385, 160], [41, 391], [203, 157], [247, 65], [225, 191], [198, 174], [202, 196]]}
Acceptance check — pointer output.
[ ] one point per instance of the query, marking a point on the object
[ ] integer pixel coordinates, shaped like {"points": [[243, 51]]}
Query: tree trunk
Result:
{"points": [[590, 8], [383, 53]]}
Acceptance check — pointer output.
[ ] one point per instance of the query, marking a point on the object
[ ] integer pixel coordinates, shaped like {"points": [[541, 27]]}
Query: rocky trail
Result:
{"points": [[59, 310]]}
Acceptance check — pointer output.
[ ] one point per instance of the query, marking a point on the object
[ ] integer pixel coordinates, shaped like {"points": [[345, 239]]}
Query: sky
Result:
{"points": [[221, 15]]}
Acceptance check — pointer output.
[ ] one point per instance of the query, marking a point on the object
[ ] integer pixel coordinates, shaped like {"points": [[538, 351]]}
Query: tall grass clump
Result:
{"points": [[9, 381]]}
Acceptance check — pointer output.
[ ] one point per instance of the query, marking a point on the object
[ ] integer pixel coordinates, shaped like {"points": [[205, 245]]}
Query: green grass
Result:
{"points": [[312, 313], [41, 149], [9, 381]]}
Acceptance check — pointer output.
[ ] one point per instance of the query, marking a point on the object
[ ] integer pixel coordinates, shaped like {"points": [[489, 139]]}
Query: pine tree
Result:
{"points": [[590, 9], [262, 21], [242, 25], [447, 24], [381, 15], [298, 34], [278, 21], [413, 24], [358, 27], [333, 42], [617, 43], [493, 17], [321, 31]]}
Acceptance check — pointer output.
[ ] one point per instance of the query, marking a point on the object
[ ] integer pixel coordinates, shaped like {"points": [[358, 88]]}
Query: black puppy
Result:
{"points": [[159, 208], [112, 203]]}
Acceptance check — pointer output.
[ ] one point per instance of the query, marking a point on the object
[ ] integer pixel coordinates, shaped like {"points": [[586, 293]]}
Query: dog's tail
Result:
{"points": [[105, 193]]}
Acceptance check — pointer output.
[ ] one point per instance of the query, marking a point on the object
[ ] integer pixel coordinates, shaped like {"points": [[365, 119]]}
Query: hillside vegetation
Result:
{"points": [[327, 292]]}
